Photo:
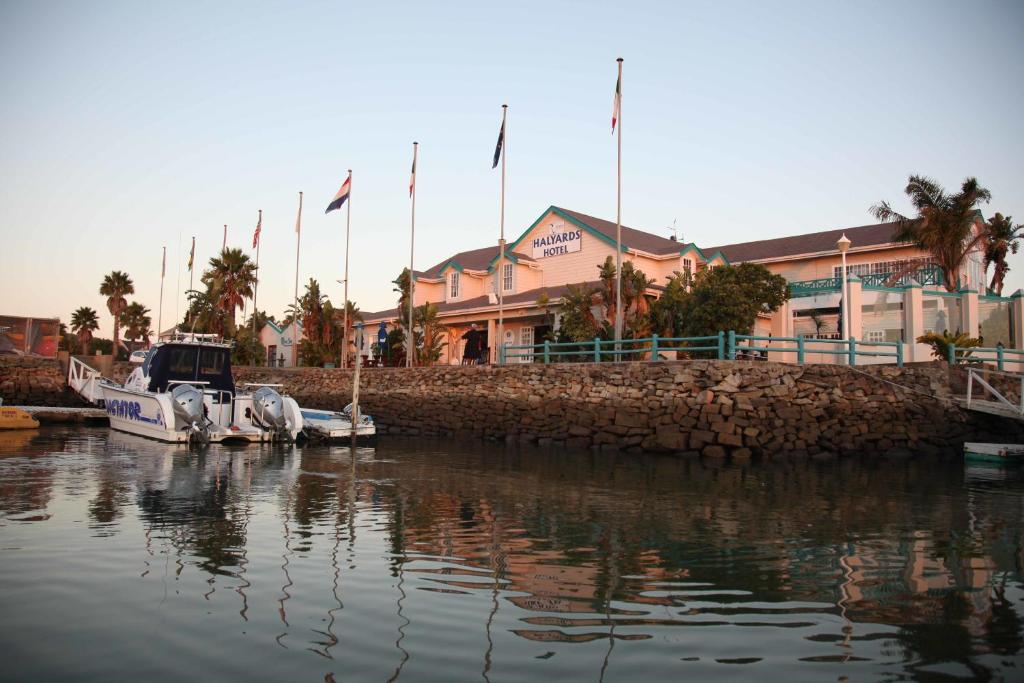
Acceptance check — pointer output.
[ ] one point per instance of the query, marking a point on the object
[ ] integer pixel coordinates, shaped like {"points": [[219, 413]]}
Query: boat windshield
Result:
{"points": [[191, 362]]}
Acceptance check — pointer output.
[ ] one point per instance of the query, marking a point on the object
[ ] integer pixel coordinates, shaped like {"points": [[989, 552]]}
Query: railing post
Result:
{"points": [[800, 349], [952, 354], [721, 345], [654, 347], [501, 355], [853, 350], [732, 344], [597, 349], [999, 358], [547, 351], [899, 354]]}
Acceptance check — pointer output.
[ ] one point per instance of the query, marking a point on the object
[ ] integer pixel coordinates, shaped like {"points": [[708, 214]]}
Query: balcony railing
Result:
{"points": [[928, 276]]}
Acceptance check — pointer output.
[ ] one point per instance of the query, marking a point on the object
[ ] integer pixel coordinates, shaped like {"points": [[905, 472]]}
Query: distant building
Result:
{"points": [[564, 247], [281, 343]]}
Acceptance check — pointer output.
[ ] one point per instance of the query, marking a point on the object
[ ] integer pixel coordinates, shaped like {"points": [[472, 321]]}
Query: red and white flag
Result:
{"points": [[412, 177], [617, 106], [259, 227]]}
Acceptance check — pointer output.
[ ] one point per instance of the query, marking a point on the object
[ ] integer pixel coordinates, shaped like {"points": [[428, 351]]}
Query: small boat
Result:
{"points": [[16, 418], [1005, 453], [183, 392], [333, 425]]}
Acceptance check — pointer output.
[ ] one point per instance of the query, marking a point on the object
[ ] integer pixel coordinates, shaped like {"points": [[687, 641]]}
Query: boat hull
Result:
{"points": [[326, 424], [1007, 454]]}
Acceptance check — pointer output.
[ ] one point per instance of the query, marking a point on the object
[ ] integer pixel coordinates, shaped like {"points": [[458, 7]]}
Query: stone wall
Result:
{"points": [[712, 408], [34, 382]]}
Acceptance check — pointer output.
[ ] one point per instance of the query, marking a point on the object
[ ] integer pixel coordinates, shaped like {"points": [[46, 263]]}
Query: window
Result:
{"points": [[454, 279], [874, 335], [506, 277], [879, 267], [687, 267]]}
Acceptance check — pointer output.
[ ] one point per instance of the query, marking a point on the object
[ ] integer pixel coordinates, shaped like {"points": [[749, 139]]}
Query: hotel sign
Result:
{"points": [[558, 239]]}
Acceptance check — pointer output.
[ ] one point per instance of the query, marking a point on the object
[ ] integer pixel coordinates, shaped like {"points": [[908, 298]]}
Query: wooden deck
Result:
{"points": [[991, 407]]}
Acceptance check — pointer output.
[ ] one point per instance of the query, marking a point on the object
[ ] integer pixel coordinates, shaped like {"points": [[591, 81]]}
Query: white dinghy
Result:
{"points": [[183, 392], [334, 425]]}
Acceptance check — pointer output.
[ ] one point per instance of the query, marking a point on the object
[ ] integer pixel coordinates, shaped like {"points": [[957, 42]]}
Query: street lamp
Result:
{"points": [[843, 243]]}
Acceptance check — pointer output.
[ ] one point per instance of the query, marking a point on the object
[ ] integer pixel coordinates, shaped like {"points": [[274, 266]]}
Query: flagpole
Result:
{"points": [[410, 341], [191, 267], [501, 239], [298, 240], [177, 286], [618, 225], [160, 315], [224, 245], [344, 314], [256, 286]]}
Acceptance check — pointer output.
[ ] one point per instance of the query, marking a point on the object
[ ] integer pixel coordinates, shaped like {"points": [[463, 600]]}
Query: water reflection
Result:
{"points": [[437, 563]]}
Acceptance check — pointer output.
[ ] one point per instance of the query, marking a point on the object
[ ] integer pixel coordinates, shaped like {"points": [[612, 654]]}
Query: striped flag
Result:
{"points": [[501, 142], [192, 254], [163, 264], [617, 106], [412, 177], [259, 227], [338, 200]]}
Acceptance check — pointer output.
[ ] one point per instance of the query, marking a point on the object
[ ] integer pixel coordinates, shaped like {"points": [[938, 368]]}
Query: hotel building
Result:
{"points": [[564, 247]]}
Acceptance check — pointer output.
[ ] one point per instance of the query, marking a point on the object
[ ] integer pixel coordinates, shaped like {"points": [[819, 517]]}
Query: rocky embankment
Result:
{"points": [[710, 408]]}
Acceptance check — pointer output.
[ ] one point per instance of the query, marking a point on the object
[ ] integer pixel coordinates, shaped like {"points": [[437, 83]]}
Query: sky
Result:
{"points": [[126, 127]]}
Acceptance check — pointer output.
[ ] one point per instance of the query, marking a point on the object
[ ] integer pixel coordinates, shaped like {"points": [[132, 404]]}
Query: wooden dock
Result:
{"points": [[47, 415]]}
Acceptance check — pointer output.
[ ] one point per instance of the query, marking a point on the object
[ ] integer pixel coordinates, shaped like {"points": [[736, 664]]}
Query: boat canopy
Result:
{"points": [[191, 363]]}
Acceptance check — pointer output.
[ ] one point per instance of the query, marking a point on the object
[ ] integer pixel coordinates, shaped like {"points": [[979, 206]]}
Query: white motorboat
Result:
{"points": [[183, 392], [334, 425]]}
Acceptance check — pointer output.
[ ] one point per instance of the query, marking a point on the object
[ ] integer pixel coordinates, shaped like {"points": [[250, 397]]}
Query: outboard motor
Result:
{"points": [[188, 405], [268, 411]]}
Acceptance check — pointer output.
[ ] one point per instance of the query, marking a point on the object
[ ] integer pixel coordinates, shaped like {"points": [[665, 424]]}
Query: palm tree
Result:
{"points": [[353, 315], [944, 225], [1001, 238], [116, 286], [430, 335], [83, 321], [136, 323], [230, 280]]}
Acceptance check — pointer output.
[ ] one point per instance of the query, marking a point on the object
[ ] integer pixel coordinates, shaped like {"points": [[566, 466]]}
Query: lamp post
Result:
{"points": [[843, 244]]}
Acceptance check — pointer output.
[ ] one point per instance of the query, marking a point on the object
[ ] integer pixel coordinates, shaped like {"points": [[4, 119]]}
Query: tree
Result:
{"points": [[429, 334], [247, 349], [729, 298], [354, 316], [84, 321], [581, 320], [229, 280], [944, 225], [136, 323], [1001, 238], [203, 315], [666, 311], [116, 286], [402, 288], [941, 343]]}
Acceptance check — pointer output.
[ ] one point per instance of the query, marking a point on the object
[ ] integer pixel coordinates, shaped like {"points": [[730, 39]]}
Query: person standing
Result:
{"points": [[474, 344]]}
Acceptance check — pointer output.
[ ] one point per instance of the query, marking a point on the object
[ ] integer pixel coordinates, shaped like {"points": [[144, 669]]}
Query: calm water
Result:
{"points": [[121, 558]]}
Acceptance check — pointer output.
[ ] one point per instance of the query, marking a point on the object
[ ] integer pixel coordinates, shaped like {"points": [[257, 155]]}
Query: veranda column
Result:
{"points": [[782, 326], [855, 288], [492, 339], [913, 323], [969, 319]]}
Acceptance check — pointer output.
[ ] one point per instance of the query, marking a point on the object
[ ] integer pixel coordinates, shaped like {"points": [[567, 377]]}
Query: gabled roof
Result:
{"points": [[475, 259], [811, 243], [631, 237]]}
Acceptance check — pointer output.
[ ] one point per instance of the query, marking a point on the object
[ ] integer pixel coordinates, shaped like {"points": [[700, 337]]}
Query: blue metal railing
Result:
{"points": [[723, 346], [928, 276], [968, 355]]}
